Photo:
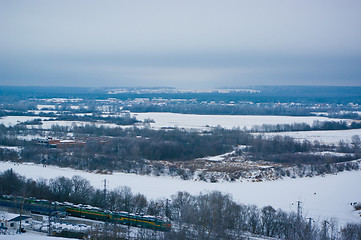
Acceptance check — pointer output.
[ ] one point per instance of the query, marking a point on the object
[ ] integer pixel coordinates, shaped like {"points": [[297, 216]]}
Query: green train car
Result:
{"points": [[124, 218], [31, 204], [86, 211]]}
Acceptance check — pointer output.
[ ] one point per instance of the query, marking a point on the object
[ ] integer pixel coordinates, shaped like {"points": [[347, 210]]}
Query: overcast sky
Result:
{"points": [[183, 43]]}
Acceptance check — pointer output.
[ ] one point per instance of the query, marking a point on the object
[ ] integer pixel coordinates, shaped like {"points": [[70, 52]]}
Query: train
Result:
{"points": [[46, 207]]}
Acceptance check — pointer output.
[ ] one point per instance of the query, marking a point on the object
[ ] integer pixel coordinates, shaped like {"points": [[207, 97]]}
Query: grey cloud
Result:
{"points": [[175, 43], [180, 70]]}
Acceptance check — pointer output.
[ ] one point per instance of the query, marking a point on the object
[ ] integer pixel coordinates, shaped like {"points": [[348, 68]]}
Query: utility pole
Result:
{"points": [[21, 213], [299, 209], [105, 187], [105, 193], [167, 210], [128, 233], [325, 230], [49, 217]]}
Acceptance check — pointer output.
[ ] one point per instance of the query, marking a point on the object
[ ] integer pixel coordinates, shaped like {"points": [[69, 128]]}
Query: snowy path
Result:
{"points": [[321, 197]]}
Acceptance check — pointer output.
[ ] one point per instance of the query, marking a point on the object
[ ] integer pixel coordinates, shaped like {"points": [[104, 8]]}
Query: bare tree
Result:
{"points": [[268, 214], [356, 142]]}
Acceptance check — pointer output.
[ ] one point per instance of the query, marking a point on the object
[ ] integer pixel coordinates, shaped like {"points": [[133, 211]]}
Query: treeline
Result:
{"points": [[128, 150], [76, 190], [347, 115], [4, 113], [222, 109], [117, 120], [172, 145], [205, 216], [316, 126], [284, 149]]}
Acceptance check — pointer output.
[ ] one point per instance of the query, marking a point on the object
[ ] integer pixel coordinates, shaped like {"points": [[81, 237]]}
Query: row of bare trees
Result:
{"points": [[316, 126]]}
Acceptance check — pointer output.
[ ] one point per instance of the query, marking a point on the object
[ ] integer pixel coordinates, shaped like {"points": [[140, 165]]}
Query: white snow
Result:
{"points": [[193, 121], [7, 215], [41, 107], [329, 153], [219, 158], [37, 112], [216, 158], [321, 197], [70, 226], [186, 121], [31, 236], [29, 137], [13, 148], [83, 114], [328, 137], [13, 120]]}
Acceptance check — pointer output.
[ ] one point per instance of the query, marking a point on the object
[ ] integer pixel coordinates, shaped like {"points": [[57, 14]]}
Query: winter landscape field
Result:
{"points": [[180, 120], [183, 121], [321, 191], [327, 197]]}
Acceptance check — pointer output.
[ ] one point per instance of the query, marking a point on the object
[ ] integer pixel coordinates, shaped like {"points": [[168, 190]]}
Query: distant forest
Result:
{"points": [[134, 149], [334, 102], [301, 94]]}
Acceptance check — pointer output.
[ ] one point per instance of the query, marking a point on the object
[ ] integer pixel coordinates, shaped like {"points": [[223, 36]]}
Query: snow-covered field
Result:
{"points": [[186, 121], [193, 121], [13, 120], [41, 107], [328, 137], [321, 197]]}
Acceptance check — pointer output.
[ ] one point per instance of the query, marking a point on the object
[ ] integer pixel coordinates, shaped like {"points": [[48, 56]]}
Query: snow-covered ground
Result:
{"points": [[41, 107], [328, 137], [31, 236], [30, 137], [15, 148], [13, 120], [186, 121], [37, 112], [321, 197], [193, 121]]}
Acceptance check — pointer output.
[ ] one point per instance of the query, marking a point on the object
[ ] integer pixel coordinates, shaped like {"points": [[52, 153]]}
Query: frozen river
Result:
{"points": [[321, 197]]}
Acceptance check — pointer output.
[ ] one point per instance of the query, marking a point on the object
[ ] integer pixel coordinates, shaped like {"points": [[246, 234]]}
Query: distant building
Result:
{"points": [[10, 222], [55, 143], [66, 143]]}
